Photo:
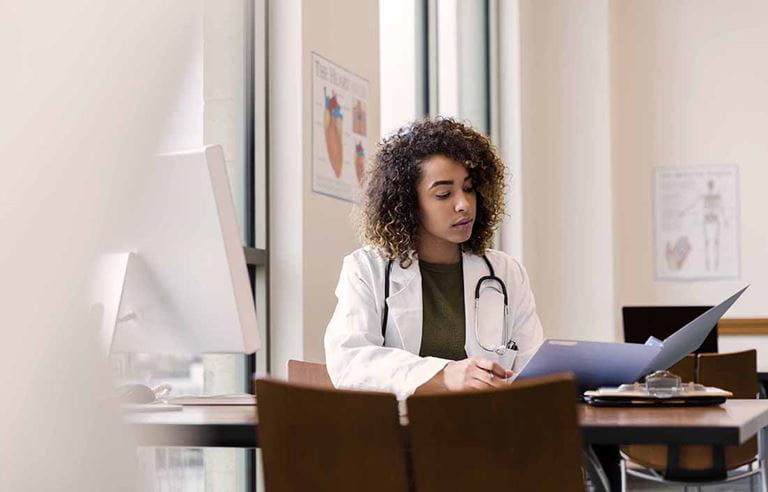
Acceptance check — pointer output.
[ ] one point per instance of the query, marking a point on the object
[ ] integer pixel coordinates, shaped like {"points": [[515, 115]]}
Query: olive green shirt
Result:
{"points": [[443, 327]]}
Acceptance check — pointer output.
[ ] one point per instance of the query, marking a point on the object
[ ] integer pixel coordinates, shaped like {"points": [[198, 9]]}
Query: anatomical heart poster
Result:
{"points": [[696, 222], [339, 130]]}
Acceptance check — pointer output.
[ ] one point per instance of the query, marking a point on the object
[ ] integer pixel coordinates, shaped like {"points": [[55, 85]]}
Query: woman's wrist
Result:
{"points": [[435, 384]]}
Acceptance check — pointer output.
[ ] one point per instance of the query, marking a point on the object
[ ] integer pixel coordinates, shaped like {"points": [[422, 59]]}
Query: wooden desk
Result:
{"points": [[197, 427], [731, 423], [237, 426]]}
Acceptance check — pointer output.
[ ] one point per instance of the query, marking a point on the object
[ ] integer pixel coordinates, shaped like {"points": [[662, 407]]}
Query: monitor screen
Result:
{"points": [[176, 278]]}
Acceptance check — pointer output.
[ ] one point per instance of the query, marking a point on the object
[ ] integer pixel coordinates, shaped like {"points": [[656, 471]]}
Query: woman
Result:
{"points": [[405, 318]]}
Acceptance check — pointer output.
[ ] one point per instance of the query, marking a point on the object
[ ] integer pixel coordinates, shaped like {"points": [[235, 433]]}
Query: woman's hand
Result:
{"points": [[472, 373], [477, 373]]}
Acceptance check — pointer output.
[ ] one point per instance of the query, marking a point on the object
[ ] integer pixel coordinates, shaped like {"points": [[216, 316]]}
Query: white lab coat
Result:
{"points": [[355, 355]]}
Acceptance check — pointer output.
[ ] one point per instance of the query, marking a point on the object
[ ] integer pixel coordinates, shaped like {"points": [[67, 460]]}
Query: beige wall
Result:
{"points": [[689, 88], [347, 33], [311, 233]]}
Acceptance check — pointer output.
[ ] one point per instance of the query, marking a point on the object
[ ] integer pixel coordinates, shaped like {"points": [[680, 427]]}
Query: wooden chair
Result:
{"points": [[309, 374], [329, 440], [522, 438], [735, 372]]}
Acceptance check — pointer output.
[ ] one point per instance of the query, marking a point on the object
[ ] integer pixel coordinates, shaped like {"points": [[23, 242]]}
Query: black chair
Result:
{"points": [[641, 322]]}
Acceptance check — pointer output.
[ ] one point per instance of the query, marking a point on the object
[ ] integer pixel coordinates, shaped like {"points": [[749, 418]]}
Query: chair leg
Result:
{"points": [[623, 468], [595, 471], [762, 455], [763, 478]]}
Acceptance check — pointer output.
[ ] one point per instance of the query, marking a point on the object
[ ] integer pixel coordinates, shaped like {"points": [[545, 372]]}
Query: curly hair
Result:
{"points": [[389, 216]]}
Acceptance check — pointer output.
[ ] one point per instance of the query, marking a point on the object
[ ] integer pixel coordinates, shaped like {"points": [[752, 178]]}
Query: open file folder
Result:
{"points": [[597, 364]]}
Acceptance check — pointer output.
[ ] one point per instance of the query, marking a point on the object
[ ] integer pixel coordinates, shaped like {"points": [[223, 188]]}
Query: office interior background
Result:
{"points": [[582, 98]]}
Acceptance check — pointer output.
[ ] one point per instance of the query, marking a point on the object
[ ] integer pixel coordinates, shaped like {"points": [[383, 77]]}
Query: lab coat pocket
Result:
{"points": [[507, 361]]}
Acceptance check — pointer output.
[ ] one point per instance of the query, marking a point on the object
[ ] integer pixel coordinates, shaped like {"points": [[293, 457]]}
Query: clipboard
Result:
{"points": [[637, 396]]}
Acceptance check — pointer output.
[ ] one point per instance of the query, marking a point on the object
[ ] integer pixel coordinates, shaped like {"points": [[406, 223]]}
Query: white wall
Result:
{"points": [[286, 188], [509, 125], [310, 233], [566, 166], [397, 63], [85, 92]]}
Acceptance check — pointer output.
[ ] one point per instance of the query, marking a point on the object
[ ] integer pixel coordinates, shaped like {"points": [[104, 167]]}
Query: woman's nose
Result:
{"points": [[462, 204]]}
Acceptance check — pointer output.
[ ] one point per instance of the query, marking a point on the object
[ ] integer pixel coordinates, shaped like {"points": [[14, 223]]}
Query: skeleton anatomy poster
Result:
{"points": [[339, 129], [696, 222]]}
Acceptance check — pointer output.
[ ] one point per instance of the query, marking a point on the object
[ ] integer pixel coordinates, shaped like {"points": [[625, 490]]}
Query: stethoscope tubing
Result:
{"points": [[506, 342]]}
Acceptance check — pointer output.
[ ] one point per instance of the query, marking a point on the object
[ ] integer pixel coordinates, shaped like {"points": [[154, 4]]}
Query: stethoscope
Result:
{"points": [[506, 340]]}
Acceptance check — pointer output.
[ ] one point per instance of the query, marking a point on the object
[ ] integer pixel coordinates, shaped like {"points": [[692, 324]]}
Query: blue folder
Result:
{"points": [[599, 364]]}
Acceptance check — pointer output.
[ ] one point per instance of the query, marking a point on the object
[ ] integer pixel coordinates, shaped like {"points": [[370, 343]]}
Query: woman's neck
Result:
{"points": [[439, 252]]}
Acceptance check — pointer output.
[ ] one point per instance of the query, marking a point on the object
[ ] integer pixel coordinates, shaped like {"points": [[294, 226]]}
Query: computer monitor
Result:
{"points": [[641, 322], [176, 280]]}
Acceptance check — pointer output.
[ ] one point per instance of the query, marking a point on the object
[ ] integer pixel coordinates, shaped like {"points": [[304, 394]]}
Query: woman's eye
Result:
{"points": [[443, 196]]}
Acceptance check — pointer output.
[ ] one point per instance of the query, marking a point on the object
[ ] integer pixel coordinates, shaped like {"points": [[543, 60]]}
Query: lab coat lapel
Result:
{"points": [[405, 304]]}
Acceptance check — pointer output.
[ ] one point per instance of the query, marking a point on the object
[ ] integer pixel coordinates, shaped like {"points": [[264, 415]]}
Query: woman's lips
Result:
{"points": [[463, 224]]}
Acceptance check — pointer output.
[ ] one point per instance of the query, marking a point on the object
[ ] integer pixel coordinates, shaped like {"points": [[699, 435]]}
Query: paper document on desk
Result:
{"points": [[597, 364], [654, 342]]}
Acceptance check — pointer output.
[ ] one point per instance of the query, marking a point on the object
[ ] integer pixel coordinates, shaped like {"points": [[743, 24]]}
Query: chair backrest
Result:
{"points": [[525, 437], [329, 440], [641, 322], [308, 373], [735, 372], [686, 369]]}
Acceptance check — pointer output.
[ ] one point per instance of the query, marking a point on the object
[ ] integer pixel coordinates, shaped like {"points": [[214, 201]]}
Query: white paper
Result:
{"points": [[696, 222], [340, 146]]}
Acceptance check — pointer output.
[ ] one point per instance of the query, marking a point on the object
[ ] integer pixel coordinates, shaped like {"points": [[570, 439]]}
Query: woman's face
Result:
{"points": [[447, 201]]}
